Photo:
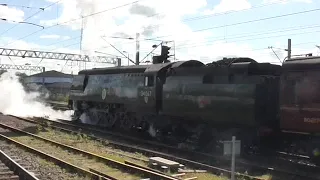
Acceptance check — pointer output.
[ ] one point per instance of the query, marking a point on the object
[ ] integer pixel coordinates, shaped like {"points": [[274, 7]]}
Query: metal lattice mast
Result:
{"points": [[56, 55], [22, 67]]}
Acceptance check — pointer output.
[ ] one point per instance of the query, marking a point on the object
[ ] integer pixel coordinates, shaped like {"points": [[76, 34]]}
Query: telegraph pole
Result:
{"points": [[85, 65], [137, 49], [289, 49]]}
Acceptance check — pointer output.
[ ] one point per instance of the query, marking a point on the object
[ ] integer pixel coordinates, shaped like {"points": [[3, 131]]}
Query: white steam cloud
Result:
{"points": [[14, 100]]}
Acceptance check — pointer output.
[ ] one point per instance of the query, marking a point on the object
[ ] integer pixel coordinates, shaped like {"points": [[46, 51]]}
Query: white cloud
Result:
{"points": [[286, 1], [50, 36], [143, 18], [54, 36], [128, 20], [11, 13], [230, 5]]}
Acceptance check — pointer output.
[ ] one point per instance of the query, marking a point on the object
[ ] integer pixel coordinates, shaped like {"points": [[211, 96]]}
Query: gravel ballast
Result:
{"points": [[42, 168]]}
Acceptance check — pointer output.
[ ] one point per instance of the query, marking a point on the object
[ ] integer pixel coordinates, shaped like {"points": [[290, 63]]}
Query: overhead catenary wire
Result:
{"points": [[245, 22], [189, 19], [244, 35], [16, 5], [135, 2], [221, 38], [80, 18], [233, 11], [215, 14], [200, 17], [240, 35], [72, 20], [41, 9], [207, 42], [213, 42], [249, 21], [219, 14]]}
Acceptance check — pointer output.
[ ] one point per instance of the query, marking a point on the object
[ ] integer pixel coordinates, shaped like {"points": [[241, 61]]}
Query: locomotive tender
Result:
{"points": [[202, 103]]}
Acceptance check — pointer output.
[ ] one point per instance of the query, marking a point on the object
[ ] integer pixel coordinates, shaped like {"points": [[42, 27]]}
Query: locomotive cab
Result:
{"points": [[150, 95]]}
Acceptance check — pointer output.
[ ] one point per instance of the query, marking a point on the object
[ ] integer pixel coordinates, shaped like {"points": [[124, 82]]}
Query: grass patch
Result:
{"points": [[79, 160], [84, 142]]}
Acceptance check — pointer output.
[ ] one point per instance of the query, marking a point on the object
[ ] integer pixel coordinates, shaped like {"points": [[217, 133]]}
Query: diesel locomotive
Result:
{"points": [[204, 104]]}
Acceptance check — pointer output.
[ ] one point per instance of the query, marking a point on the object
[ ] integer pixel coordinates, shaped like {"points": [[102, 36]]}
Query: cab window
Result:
{"points": [[149, 81]]}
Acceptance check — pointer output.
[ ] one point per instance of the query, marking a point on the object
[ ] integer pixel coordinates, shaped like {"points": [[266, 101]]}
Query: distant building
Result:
{"points": [[53, 84]]}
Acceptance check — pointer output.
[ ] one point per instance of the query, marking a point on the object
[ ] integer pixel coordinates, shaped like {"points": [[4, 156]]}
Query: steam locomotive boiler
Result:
{"points": [[187, 100]]}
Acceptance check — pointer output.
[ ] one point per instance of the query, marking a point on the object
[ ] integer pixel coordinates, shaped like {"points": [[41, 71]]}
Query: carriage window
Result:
{"points": [[148, 81]]}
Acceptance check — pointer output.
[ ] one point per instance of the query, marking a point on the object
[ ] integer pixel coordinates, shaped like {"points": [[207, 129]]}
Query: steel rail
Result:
{"points": [[145, 172], [275, 171], [57, 160], [210, 168], [16, 168]]}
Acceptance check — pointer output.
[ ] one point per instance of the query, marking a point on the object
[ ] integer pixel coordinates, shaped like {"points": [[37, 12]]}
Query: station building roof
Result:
{"points": [[52, 74]]}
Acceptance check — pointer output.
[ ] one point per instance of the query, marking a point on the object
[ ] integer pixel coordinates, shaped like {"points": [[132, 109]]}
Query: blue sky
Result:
{"points": [[304, 41]]}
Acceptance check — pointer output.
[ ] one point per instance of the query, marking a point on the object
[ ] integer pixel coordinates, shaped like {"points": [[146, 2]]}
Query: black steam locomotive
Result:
{"points": [[188, 101]]}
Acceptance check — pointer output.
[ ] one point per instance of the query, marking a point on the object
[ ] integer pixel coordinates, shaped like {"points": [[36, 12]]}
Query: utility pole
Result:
{"points": [[85, 64], [174, 51], [81, 35], [289, 49], [137, 49]]}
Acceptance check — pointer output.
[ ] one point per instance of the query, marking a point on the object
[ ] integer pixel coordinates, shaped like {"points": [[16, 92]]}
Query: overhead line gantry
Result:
{"points": [[58, 56]]}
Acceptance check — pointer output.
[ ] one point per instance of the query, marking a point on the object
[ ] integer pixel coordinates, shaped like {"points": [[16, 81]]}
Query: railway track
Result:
{"points": [[10, 169], [266, 163], [279, 172], [129, 148], [94, 166], [39, 152]]}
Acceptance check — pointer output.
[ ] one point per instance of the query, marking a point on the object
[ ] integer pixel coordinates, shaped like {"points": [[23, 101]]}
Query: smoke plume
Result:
{"points": [[16, 101]]}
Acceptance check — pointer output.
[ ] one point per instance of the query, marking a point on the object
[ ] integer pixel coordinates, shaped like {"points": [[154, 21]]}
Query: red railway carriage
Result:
{"points": [[300, 105], [300, 95]]}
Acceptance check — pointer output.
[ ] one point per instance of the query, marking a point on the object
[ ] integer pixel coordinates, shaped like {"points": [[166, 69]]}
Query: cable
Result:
{"points": [[216, 14], [219, 38], [292, 28], [51, 50], [58, 48], [58, 42], [250, 21], [258, 49], [13, 5], [41, 9], [169, 35], [206, 16], [251, 39], [245, 22], [219, 14], [233, 11], [190, 19], [243, 35], [284, 15], [49, 27]]}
